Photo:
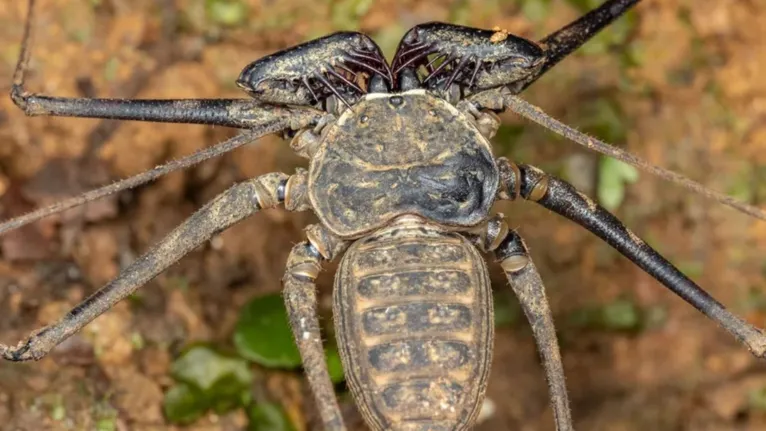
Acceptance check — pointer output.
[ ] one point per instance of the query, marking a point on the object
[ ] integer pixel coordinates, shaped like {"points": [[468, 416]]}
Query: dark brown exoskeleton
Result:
{"points": [[477, 59], [402, 180], [291, 76]]}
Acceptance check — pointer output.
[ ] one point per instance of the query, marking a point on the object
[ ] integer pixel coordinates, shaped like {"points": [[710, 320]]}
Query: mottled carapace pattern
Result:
{"points": [[441, 170], [413, 316]]}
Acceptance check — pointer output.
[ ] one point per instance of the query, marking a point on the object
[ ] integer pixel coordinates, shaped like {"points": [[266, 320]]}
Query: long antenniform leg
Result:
{"points": [[502, 99], [561, 197], [528, 287], [565, 41], [228, 208], [237, 113], [533, 113], [267, 125], [303, 266]]}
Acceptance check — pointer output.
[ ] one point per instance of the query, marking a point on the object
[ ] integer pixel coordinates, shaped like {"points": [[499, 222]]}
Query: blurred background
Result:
{"points": [[205, 345]]}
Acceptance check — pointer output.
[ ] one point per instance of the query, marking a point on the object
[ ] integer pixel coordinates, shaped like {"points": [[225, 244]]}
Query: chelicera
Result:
{"points": [[402, 179]]}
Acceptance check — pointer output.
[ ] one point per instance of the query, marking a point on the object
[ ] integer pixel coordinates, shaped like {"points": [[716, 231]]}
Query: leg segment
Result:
{"points": [[566, 40], [562, 198], [230, 207], [298, 122], [528, 287], [238, 113], [499, 100], [303, 266], [526, 283]]}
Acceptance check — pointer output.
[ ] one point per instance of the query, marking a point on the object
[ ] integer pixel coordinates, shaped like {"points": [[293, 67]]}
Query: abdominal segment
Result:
{"points": [[413, 317]]}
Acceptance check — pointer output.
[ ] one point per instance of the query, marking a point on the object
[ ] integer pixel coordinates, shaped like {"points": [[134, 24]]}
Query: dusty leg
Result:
{"points": [[528, 286], [561, 197], [238, 113], [303, 266], [513, 256], [228, 208]]}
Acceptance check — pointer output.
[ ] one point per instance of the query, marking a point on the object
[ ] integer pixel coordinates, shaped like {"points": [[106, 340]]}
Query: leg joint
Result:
{"points": [[512, 253], [488, 236], [325, 242], [293, 191], [266, 190]]}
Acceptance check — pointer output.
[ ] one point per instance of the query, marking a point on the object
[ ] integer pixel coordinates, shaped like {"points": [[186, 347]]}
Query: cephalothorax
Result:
{"points": [[402, 179], [441, 169]]}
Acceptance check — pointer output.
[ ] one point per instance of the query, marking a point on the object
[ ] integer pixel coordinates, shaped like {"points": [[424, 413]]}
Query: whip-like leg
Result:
{"points": [[238, 113], [561, 197], [528, 287], [303, 266], [228, 208]]}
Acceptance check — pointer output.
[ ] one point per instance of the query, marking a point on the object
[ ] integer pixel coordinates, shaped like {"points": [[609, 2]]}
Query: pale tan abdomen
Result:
{"points": [[413, 317]]}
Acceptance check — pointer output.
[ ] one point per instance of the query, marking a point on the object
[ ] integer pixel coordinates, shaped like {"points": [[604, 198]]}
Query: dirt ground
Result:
{"points": [[683, 88]]}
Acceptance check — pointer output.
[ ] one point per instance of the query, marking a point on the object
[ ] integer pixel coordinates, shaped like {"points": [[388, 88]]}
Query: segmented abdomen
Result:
{"points": [[413, 317]]}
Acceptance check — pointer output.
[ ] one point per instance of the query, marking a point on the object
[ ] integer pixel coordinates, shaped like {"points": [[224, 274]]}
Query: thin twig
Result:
{"points": [[535, 114]]}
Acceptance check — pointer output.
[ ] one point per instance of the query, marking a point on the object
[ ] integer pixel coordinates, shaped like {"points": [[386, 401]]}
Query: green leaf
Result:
{"points": [[741, 185], [227, 394], [229, 13], [654, 317], [615, 34], [268, 417], [263, 333], [460, 12], [507, 136], [184, 404], [756, 399], [387, 38], [584, 5], [208, 380], [347, 13], [203, 368], [507, 313], [621, 315], [604, 118], [613, 175], [585, 317], [536, 10], [107, 424], [334, 364]]}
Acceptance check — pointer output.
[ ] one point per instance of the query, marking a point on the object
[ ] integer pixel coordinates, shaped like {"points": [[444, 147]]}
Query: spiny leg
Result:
{"points": [[561, 197], [528, 287], [303, 266], [228, 208], [512, 253], [238, 113]]}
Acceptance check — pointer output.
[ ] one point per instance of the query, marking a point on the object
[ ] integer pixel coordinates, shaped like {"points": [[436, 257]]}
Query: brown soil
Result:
{"points": [[696, 103]]}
